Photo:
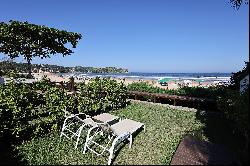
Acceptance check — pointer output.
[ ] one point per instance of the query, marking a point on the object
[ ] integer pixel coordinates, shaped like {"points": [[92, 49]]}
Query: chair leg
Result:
{"points": [[85, 148], [63, 127], [111, 155], [78, 136], [86, 144], [60, 139], [130, 140]]}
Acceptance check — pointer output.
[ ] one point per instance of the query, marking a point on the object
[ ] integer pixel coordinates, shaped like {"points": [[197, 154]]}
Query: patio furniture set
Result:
{"points": [[101, 129]]}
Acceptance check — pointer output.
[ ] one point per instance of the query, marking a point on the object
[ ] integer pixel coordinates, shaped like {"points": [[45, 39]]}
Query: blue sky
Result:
{"points": [[144, 35]]}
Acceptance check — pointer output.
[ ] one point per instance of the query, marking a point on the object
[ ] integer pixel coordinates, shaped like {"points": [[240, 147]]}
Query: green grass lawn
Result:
{"points": [[156, 145]]}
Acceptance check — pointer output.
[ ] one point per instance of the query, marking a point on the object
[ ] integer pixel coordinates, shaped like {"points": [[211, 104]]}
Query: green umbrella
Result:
{"points": [[164, 80], [199, 81]]}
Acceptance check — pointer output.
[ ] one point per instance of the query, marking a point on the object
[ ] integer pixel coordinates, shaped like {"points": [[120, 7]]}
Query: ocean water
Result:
{"points": [[220, 77]]}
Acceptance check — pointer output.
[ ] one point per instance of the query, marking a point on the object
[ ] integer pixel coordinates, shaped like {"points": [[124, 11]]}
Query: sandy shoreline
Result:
{"points": [[171, 85]]}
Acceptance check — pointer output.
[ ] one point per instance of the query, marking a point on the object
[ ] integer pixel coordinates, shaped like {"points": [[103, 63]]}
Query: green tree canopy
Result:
{"points": [[237, 3], [238, 76], [30, 40]]}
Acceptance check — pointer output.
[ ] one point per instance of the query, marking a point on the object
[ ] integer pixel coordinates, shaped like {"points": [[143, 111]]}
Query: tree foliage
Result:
{"points": [[30, 110], [201, 92], [6, 66], [237, 3], [238, 76], [101, 95], [26, 113], [30, 40]]}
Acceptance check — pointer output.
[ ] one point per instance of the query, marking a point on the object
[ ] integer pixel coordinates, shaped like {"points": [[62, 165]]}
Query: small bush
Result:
{"points": [[236, 109], [43, 85], [209, 93], [27, 114], [101, 95]]}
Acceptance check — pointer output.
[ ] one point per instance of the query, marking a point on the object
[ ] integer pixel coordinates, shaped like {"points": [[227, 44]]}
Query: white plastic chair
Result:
{"points": [[73, 125], [115, 133]]}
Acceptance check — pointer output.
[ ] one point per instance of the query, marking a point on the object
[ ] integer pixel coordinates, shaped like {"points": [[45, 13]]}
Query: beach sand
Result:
{"points": [[52, 76], [171, 85]]}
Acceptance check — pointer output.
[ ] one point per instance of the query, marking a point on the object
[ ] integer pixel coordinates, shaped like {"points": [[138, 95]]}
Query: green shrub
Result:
{"points": [[202, 92], [26, 113], [236, 109], [101, 95], [16, 104], [44, 84], [238, 76]]}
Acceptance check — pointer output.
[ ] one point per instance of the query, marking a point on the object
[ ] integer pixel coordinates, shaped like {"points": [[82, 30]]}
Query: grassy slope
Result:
{"points": [[156, 145]]}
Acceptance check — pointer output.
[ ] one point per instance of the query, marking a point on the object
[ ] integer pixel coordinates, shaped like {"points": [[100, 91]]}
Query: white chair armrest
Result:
{"points": [[94, 127]]}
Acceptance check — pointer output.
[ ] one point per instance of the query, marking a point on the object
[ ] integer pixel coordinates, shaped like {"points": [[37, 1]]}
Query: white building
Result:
{"points": [[244, 83], [2, 80]]}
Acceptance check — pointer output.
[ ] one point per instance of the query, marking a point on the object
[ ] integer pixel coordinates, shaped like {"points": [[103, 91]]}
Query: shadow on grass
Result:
{"points": [[218, 131], [9, 155], [105, 155], [125, 143], [117, 149]]}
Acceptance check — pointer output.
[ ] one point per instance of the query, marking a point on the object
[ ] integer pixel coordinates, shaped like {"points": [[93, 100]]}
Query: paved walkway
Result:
{"points": [[192, 151]]}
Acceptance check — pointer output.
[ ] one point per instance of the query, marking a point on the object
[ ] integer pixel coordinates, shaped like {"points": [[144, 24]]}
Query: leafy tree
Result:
{"points": [[8, 65], [30, 40], [237, 3], [238, 76]]}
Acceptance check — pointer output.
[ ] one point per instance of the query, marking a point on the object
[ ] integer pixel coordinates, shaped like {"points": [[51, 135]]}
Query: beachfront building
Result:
{"points": [[2, 80], [244, 83], [40, 70], [72, 70]]}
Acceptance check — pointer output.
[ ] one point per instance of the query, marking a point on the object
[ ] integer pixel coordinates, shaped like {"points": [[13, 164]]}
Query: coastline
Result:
{"points": [[173, 83]]}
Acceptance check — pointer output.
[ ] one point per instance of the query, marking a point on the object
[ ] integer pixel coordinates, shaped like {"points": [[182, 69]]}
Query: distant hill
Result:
{"points": [[7, 66]]}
